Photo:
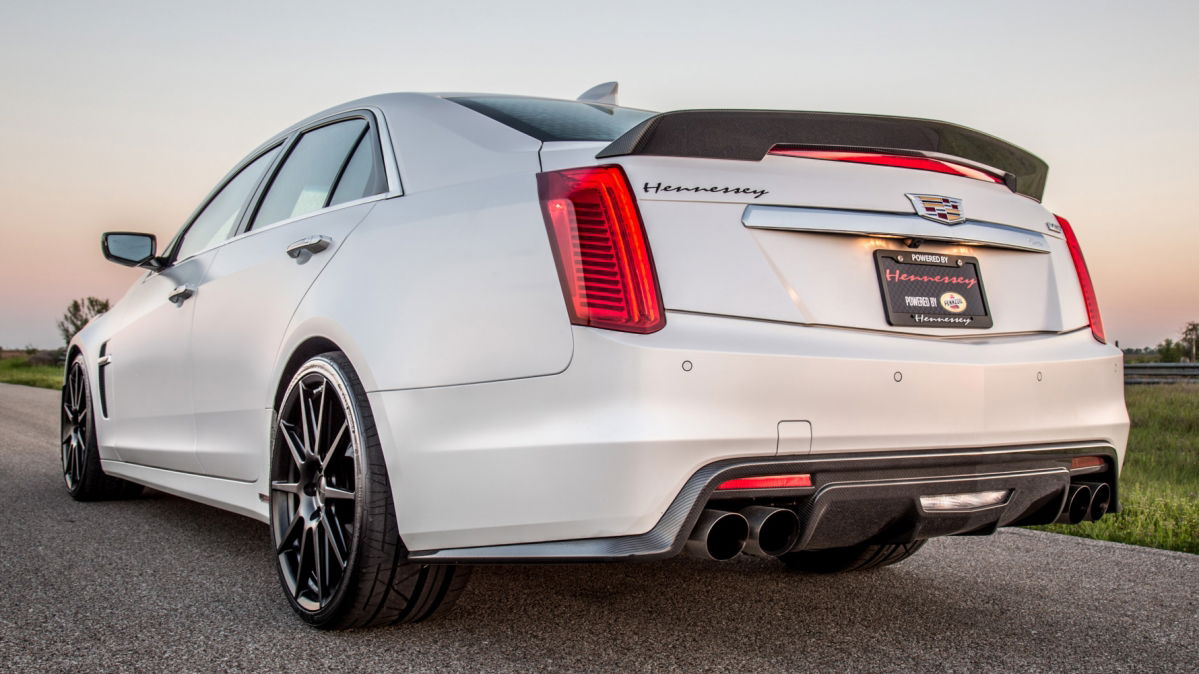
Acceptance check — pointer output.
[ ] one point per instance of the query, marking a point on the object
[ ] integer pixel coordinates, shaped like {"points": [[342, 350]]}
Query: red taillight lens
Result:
{"points": [[767, 482], [1087, 462], [899, 161], [1084, 280], [599, 244]]}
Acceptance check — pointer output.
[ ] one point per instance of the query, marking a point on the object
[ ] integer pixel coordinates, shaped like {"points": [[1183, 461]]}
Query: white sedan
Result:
{"points": [[418, 332]]}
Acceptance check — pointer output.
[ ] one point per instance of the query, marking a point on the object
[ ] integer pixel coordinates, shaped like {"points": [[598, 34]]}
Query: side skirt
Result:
{"points": [[232, 495]]}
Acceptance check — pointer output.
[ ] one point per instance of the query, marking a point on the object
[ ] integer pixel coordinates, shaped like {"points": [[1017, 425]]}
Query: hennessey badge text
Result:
{"points": [[659, 187]]}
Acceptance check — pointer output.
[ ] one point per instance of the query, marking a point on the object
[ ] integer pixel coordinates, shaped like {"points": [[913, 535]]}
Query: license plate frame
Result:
{"points": [[922, 290]]}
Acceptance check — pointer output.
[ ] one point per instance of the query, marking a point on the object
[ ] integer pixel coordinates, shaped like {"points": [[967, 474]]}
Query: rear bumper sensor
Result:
{"points": [[875, 497]]}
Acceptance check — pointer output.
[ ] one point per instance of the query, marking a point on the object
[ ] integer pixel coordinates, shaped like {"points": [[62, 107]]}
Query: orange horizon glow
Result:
{"points": [[124, 119]]}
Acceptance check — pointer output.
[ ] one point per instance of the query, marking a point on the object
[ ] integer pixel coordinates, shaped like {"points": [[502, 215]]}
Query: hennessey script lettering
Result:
{"points": [[659, 187]]}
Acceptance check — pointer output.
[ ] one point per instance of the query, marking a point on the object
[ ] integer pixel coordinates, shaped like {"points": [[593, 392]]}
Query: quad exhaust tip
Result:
{"points": [[1086, 502], [718, 535], [1101, 500], [757, 530], [1078, 504], [772, 531]]}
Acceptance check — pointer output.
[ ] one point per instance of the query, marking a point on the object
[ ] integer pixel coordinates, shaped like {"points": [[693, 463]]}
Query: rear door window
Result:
{"points": [[331, 164]]}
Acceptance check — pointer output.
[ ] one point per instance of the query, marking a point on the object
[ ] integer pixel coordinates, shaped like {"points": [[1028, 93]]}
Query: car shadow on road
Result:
{"points": [[972, 602]]}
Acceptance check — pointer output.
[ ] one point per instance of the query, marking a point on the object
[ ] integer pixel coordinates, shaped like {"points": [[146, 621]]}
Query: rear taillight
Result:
{"points": [[1084, 280], [895, 160], [600, 247]]}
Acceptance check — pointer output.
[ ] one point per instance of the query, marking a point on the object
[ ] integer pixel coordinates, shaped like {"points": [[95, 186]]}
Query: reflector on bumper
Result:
{"points": [[963, 501]]}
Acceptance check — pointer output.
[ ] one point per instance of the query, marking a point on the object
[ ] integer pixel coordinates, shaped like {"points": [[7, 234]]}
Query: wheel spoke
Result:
{"points": [[303, 564], [335, 493], [78, 397], [289, 487], [318, 565], [68, 456], [304, 422], [345, 425], [290, 534], [333, 538], [296, 454], [320, 418], [77, 462]]}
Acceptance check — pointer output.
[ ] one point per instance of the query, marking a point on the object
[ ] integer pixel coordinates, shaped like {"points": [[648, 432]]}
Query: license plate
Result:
{"points": [[930, 290]]}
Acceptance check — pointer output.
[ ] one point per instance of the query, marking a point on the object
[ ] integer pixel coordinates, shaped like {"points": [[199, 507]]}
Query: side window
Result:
{"points": [[220, 216], [364, 174], [328, 165]]}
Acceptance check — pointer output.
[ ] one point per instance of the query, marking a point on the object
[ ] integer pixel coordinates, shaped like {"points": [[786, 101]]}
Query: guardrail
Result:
{"points": [[1160, 373]]}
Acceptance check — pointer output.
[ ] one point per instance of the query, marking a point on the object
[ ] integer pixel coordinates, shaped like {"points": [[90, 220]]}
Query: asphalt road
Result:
{"points": [[161, 583]]}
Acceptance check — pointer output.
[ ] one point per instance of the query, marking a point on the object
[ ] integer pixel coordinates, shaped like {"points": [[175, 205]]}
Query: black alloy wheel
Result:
{"points": [[338, 550], [313, 490], [76, 426], [81, 470]]}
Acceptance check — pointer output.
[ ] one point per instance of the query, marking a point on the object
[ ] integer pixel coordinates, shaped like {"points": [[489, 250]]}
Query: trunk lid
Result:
{"points": [[749, 234]]}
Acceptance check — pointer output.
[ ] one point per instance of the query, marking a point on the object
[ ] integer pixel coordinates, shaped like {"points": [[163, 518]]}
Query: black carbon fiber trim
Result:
{"points": [[749, 134], [667, 537]]}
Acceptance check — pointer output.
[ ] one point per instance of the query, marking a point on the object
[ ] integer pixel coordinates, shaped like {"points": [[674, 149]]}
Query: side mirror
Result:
{"points": [[130, 249]]}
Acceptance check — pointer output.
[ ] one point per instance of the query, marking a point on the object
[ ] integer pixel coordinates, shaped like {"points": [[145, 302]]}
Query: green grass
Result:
{"points": [[1159, 487], [18, 371]]}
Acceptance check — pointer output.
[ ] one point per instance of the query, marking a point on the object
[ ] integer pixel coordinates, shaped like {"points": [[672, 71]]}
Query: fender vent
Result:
{"points": [[101, 378]]}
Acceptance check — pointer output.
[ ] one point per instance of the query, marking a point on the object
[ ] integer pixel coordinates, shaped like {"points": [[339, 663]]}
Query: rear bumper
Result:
{"points": [[607, 448], [853, 499]]}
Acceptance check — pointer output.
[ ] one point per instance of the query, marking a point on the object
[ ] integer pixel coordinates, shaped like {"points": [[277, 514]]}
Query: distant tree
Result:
{"points": [[79, 312], [1169, 351], [1190, 341]]}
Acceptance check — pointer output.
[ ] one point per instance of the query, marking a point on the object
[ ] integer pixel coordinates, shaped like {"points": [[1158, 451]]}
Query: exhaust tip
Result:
{"points": [[1078, 505], [1101, 500], [772, 531], [718, 535]]}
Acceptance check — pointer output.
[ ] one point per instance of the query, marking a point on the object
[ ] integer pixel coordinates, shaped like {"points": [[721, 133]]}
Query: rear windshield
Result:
{"points": [[549, 120]]}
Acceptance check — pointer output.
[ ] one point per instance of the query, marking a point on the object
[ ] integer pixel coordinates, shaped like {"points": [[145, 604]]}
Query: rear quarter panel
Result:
{"points": [[444, 288]]}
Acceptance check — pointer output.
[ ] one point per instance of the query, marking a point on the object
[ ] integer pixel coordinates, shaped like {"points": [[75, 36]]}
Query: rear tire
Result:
{"points": [[81, 470], [338, 550], [854, 558]]}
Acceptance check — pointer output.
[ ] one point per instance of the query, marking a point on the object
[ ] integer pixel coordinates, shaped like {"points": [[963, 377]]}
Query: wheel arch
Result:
{"points": [[312, 346], [72, 351]]}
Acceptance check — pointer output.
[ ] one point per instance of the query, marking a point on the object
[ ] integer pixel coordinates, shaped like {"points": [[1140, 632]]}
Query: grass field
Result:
{"points": [[1159, 487], [17, 370]]}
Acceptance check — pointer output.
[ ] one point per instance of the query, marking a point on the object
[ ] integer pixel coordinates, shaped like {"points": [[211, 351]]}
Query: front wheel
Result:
{"points": [[854, 558], [338, 550], [81, 470]]}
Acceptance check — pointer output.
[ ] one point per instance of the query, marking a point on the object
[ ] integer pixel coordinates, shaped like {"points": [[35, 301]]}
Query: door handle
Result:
{"points": [[311, 244], [180, 294]]}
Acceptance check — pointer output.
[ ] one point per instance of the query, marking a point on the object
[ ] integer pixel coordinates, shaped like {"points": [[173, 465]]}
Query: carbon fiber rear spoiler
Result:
{"points": [[749, 134]]}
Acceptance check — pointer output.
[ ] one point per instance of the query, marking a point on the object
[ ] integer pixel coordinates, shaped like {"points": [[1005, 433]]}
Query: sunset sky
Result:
{"points": [[122, 115]]}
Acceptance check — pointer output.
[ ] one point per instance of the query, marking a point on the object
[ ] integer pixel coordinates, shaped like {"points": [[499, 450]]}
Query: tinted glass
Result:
{"points": [[305, 181], [364, 173], [549, 120], [220, 216]]}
